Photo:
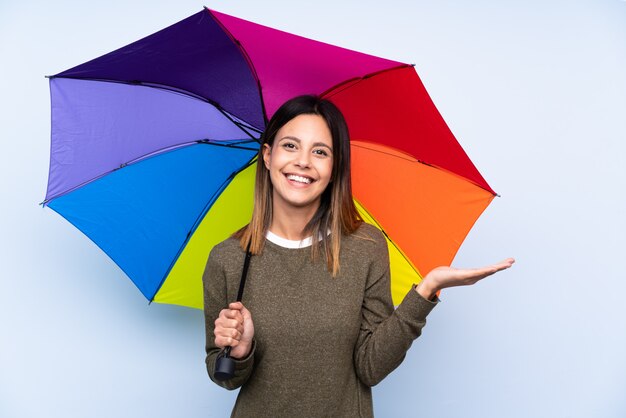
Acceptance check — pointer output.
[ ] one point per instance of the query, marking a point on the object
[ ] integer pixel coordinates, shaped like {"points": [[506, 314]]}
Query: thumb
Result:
{"points": [[235, 305], [245, 312]]}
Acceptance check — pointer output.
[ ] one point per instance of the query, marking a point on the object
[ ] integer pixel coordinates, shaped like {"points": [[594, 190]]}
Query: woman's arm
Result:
{"points": [[215, 299], [386, 334]]}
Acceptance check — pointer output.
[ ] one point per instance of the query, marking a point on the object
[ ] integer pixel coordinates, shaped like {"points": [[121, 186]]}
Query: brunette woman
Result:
{"points": [[317, 327]]}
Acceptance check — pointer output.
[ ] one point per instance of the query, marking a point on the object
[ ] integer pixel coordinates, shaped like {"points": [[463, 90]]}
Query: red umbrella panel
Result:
{"points": [[154, 144]]}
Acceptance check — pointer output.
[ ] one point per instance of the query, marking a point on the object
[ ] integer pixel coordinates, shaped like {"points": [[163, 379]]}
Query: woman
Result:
{"points": [[317, 327]]}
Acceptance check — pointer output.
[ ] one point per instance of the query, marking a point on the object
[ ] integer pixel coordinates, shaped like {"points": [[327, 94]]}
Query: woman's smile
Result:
{"points": [[299, 179]]}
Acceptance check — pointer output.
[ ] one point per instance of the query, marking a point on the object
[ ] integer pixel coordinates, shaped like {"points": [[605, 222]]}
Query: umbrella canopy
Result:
{"points": [[154, 144]]}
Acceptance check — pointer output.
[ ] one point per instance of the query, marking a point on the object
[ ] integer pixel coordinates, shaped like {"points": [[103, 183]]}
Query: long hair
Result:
{"points": [[336, 213]]}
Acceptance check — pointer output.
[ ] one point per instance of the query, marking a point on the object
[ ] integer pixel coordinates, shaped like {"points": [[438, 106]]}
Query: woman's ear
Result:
{"points": [[267, 153]]}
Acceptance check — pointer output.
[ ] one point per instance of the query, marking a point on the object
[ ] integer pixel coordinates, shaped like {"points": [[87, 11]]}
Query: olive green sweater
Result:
{"points": [[320, 342]]}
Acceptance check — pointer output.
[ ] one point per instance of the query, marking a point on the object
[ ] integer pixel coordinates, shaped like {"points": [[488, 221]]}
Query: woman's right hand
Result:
{"points": [[234, 328]]}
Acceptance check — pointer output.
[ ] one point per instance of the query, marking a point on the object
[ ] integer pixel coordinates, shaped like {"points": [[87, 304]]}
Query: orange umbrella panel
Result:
{"points": [[425, 212]]}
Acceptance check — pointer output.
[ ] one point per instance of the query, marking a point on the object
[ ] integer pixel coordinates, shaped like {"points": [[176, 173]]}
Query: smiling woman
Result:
{"points": [[324, 328]]}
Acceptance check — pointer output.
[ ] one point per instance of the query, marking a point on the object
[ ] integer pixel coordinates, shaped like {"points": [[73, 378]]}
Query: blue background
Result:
{"points": [[536, 94]]}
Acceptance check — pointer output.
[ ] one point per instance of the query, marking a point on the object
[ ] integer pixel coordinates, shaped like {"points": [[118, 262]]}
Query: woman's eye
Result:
{"points": [[322, 152], [289, 145]]}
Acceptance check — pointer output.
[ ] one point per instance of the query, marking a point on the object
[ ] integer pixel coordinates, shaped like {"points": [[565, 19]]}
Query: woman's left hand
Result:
{"points": [[443, 277]]}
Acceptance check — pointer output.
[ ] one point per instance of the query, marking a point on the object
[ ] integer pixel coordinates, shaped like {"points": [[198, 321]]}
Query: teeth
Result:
{"points": [[299, 179]]}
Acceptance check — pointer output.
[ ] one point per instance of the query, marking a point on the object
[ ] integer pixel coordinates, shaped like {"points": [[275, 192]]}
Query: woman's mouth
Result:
{"points": [[299, 179]]}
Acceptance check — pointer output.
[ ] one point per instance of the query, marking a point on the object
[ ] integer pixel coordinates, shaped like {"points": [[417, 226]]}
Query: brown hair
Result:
{"points": [[336, 212]]}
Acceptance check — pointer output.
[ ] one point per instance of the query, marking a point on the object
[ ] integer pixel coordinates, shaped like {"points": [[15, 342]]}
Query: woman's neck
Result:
{"points": [[290, 223]]}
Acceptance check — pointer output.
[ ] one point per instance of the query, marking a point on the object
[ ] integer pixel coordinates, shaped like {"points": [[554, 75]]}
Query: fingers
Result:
{"points": [[494, 268], [503, 265], [239, 312], [233, 314], [236, 305], [222, 341], [229, 325]]}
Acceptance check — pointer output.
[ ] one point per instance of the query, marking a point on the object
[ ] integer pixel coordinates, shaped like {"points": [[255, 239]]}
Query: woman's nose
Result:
{"points": [[303, 160]]}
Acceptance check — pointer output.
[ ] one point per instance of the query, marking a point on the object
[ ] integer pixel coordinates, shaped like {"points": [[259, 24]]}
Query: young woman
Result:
{"points": [[317, 327]]}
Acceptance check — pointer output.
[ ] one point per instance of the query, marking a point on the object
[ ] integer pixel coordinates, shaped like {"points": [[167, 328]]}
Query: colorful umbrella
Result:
{"points": [[153, 149]]}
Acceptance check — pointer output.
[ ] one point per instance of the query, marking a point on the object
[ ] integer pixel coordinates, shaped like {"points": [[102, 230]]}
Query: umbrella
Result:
{"points": [[154, 144]]}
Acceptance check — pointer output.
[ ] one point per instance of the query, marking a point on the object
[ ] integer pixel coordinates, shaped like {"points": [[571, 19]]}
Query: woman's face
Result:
{"points": [[300, 163]]}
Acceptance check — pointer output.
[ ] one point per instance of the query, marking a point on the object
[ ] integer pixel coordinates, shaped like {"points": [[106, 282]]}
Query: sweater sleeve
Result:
{"points": [[215, 299], [386, 334]]}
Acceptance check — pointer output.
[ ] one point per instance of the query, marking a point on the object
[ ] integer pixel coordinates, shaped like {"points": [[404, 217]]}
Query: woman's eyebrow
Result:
{"points": [[322, 144], [298, 140], [294, 138]]}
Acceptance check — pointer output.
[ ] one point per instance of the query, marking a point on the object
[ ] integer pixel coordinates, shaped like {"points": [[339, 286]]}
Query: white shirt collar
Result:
{"points": [[288, 243]]}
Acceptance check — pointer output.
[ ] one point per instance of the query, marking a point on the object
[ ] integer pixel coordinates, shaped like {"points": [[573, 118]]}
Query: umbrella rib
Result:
{"points": [[198, 220], [412, 159], [353, 81], [388, 237], [103, 250], [407, 157], [152, 154], [234, 145], [337, 88], [246, 57], [240, 124]]}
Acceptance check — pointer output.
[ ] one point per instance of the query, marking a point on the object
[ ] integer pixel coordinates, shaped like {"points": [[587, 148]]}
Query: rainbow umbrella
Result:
{"points": [[154, 144]]}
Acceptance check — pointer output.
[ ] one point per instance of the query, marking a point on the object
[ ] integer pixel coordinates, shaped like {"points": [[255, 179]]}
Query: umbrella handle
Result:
{"points": [[224, 364]]}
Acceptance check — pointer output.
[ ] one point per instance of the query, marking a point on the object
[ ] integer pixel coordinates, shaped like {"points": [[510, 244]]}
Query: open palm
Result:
{"points": [[443, 277]]}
